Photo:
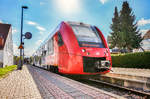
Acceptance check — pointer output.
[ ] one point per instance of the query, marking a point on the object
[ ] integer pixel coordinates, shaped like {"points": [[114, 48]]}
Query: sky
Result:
{"points": [[42, 17]]}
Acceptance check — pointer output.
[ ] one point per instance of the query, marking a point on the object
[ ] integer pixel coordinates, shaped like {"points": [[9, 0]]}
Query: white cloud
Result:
{"points": [[37, 26], [68, 7], [40, 28], [42, 3], [32, 23], [1, 21], [103, 1], [143, 22], [143, 32]]}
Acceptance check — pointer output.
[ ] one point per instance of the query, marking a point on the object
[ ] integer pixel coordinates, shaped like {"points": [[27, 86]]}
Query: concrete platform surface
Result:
{"points": [[131, 71], [35, 83], [19, 85]]}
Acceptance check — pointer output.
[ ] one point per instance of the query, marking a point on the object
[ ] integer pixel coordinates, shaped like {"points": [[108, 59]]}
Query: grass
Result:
{"points": [[7, 69]]}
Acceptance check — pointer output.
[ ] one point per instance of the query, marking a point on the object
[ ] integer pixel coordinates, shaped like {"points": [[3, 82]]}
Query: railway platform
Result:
{"points": [[131, 71], [36, 83], [138, 79]]}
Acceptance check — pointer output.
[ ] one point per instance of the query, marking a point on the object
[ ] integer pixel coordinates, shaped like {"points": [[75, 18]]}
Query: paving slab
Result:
{"points": [[19, 84], [35, 83]]}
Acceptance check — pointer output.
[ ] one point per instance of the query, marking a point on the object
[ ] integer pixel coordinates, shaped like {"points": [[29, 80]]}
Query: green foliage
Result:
{"points": [[132, 60], [31, 59], [126, 32], [16, 59], [7, 69], [130, 33], [115, 29]]}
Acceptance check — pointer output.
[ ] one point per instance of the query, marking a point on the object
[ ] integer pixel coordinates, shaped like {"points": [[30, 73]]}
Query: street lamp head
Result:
{"points": [[24, 7]]}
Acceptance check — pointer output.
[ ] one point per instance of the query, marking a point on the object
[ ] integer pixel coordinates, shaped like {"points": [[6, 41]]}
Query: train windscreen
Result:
{"points": [[87, 36]]}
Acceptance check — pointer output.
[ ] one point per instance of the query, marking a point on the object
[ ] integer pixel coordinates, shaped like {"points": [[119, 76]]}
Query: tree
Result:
{"points": [[128, 36], [115, 30], [31, 60]]}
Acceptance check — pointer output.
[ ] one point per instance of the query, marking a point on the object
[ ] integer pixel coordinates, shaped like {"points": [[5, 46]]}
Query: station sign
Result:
{"points": [[28, 35]]}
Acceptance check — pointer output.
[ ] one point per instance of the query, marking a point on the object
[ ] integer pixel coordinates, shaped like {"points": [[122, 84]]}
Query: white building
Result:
{"points": [[6, 45], [146, 41]]}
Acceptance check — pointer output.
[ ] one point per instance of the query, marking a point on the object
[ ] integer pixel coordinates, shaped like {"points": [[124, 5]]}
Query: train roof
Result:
{"points": [[77, 23], [49, 36], [56, 29]]}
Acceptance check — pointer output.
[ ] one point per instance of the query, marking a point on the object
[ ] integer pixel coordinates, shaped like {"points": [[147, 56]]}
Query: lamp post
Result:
{"points": [[21, 43]]}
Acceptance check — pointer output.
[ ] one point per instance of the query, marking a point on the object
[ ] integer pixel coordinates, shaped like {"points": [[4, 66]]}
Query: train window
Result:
{"points": [[60, 41], [87, 36], [50, 46]]}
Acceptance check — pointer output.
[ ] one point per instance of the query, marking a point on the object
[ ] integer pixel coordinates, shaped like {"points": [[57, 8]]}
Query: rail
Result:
{"points": [[145, 94]]}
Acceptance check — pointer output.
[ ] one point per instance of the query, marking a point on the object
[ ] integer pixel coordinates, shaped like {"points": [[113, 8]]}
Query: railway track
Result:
{"points": [[113, 88], [145, 95]]}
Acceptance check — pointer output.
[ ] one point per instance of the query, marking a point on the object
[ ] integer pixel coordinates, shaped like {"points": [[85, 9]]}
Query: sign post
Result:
{"points": [[19, 67]]}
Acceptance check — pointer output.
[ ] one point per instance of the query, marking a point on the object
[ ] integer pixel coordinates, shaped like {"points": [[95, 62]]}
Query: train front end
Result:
{"points": [[88, 50], [94, 49]]}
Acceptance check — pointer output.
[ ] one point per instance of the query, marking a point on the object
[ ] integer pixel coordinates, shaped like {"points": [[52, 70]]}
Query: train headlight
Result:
{"points": [[83, 50], [88, 53]]}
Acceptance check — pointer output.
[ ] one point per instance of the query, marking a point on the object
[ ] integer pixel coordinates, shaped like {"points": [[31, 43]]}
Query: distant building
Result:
{"points": [[146, 41], [6, 45], [147, 35]]}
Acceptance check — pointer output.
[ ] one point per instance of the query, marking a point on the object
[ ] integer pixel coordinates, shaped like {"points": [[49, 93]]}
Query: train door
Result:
{"points": [[63, 55]]}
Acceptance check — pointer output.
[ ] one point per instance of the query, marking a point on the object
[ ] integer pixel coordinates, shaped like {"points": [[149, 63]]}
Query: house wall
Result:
{"points": [[8, 50], [146, 44]]}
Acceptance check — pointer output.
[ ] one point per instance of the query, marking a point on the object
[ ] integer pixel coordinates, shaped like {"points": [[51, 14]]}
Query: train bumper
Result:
{"points": [[95, 65], [83, 65]]}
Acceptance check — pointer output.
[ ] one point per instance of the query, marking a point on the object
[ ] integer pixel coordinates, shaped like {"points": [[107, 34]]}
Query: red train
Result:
{"points": [[74, 48]]}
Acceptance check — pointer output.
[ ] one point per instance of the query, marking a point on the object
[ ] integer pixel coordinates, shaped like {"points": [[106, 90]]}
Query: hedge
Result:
{"points": [[132, 60]]}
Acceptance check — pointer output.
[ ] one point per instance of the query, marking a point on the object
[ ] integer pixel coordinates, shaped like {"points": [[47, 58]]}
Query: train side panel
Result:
{"points": [[52, 58], [66, 51]]}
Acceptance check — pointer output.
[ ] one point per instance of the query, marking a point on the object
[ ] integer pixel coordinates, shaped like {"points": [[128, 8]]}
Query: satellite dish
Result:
{"points": [[28, 35]]}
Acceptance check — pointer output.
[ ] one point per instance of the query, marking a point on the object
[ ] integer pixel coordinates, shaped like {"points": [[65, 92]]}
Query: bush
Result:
{"points": [[132, 60]]}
